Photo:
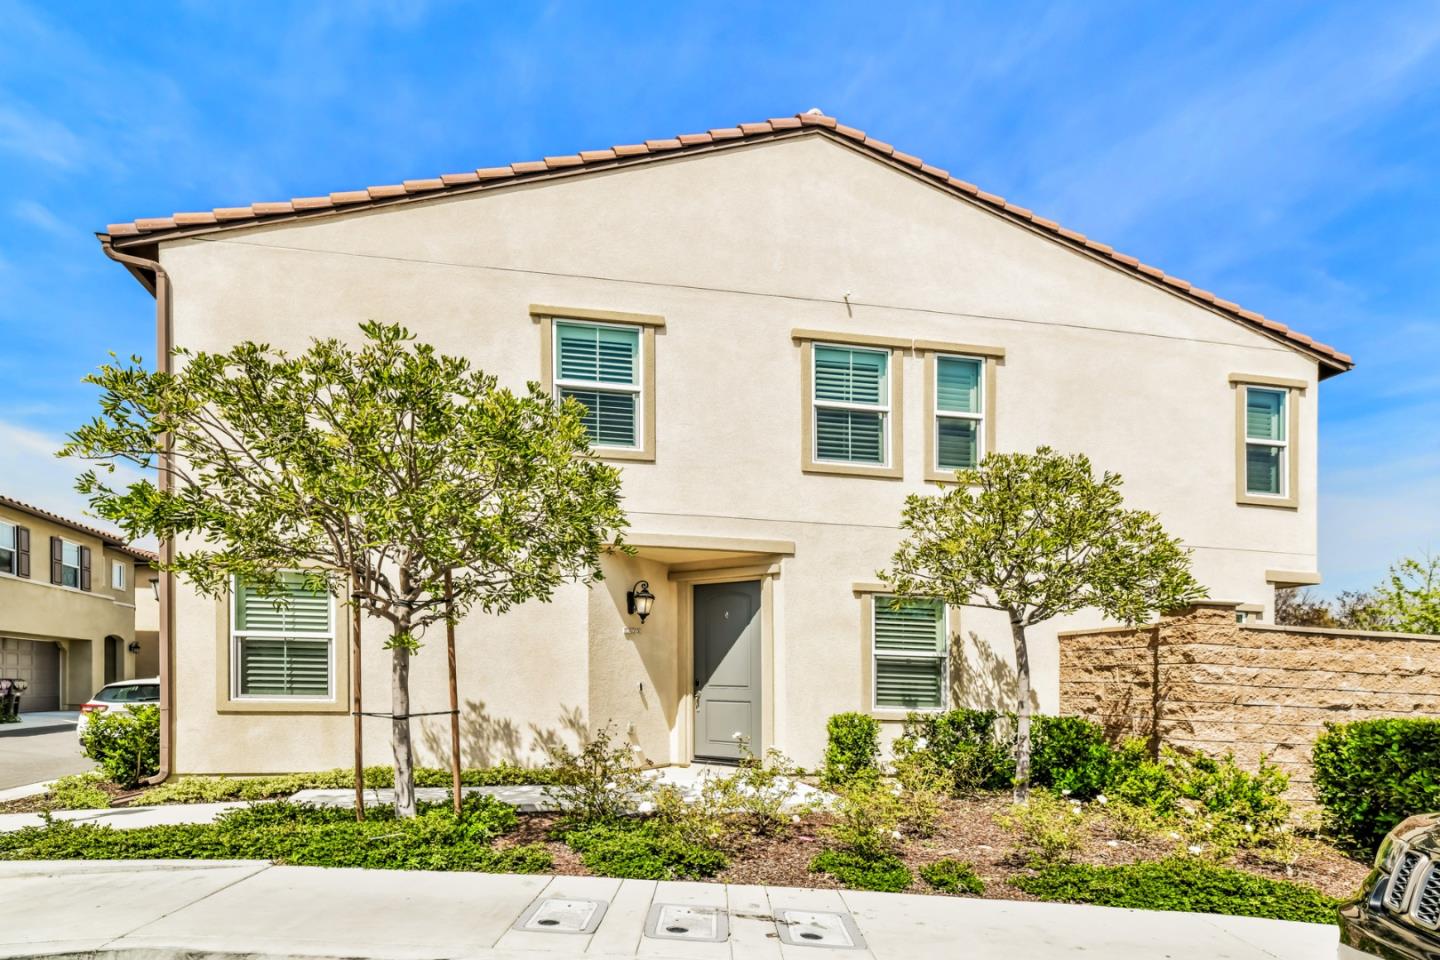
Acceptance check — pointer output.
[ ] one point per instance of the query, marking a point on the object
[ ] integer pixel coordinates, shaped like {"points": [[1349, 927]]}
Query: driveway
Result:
{"points": [[41, 747], [181, 908]]}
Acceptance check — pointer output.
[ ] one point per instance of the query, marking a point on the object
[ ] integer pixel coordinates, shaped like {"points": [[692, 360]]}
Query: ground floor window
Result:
{"points": [[911, 654], [283, 645]]}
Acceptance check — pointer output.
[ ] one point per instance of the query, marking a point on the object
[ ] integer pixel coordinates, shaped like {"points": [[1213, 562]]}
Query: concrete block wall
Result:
{"points": [[1201, 681]]}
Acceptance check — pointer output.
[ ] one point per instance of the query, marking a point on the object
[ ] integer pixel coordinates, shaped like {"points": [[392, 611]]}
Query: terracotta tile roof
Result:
{"points": [[108, 536], [152, 229]]}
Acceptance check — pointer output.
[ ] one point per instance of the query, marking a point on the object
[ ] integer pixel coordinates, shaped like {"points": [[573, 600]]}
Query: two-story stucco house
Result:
{"points": [[67, 607], [781, 330]]}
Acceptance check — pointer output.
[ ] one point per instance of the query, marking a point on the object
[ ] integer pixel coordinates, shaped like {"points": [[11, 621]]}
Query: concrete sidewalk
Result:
{"points": [[173, 908]]}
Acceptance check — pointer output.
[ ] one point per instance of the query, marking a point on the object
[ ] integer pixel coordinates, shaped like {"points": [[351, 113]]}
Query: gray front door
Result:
{"points": [[727, 670]]}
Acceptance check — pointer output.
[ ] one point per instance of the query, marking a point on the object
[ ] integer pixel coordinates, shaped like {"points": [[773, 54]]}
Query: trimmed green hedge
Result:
{"points": [[1181, 884], [306, 836], [952, 876], [1371, 774], [852, 748], [643, 850]]}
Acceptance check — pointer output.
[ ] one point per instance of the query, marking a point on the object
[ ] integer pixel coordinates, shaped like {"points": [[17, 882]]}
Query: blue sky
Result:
{"points": [[1284, 155]]}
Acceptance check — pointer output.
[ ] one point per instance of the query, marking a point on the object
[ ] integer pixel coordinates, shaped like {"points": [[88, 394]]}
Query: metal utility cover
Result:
{"points": [[678, 921], [818, 928], [562, 915]]}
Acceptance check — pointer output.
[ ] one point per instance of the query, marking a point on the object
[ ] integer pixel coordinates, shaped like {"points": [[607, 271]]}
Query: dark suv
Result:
{"points": [[1397, 914]]}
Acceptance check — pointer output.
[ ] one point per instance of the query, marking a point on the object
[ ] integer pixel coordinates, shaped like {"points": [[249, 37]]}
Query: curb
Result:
{"points": [[28, 790]]}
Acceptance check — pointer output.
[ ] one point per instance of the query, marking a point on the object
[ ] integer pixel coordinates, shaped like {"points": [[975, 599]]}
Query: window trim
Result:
{"points": [[868, 592], [990, 359], [547, 316], [78, 567], [119, 567], [14, 548], [231, 640], [893, 468], [1291, 391]]}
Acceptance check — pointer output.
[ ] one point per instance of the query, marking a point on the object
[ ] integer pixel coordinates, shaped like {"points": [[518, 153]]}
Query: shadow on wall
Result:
{"points": [[988, 681], [487, 740]]}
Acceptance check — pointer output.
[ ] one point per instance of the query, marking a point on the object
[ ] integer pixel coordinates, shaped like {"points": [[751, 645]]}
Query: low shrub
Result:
{"points": [[643, 850], [81, 791], [923, 789], [1216, 806], [886, 872], [852, 748], [1049, 829], [200, 789], [307, 836], [1071, 756], [125, 743], [952, 876], [1372, 774], [599, 783], [1180, 884], [868, 817], [975, 748], [760, 797]]}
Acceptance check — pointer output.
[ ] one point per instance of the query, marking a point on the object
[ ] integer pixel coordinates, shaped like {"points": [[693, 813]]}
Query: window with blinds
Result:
{"points": [[851, 401], [283, 644], [959, 412], [1266, 444], [599, 366], [911, 653]]}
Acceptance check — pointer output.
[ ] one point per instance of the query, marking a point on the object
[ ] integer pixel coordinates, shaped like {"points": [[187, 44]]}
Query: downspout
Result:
{"points": [[160, 287]]}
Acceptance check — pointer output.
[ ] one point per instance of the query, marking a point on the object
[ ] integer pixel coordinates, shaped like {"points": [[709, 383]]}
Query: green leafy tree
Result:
{"points": [[1408, 600], [381, 471], [1038, 536]]}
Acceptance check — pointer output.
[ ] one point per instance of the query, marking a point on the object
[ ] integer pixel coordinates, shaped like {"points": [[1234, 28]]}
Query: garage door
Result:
{"points": [[37, 662]]}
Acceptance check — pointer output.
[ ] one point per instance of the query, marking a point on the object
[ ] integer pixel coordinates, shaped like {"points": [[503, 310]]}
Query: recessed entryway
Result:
{"points": [[727, 669]]}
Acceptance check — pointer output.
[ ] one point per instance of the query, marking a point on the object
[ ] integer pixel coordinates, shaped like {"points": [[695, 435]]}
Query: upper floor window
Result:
{"points": [[282, 646], [605, 360], [117, 575], [69, 564], [1266, 422], [959, 412], [851, 404], [9, 548], [599, 365], [1267, 448]]}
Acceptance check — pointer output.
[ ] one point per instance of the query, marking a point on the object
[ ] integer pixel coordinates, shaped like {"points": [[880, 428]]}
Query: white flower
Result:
{"points": [[1249, 829], [1064, 793], [646, 807], [794, 818], [1195, 848], [1100, 799], [921, 743], [895, 834], [1174, 836], [1112, 843]]}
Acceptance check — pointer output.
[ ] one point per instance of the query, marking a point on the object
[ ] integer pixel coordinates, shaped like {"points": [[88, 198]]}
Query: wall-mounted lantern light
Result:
{"points": [[155, 585], [133, 646], [639, 599]]}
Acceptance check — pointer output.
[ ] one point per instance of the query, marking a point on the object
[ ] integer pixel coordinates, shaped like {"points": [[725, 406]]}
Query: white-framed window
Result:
{"points": [[599, 364], [851, 403], [9, 548], [911, 652], [117, 574], [1267, 444], [959, 412], [69, 564], [282, 649]]}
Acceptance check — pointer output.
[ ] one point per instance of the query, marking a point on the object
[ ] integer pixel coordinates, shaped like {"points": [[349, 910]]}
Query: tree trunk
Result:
{"points": [[400, 728], [1022, 712]]}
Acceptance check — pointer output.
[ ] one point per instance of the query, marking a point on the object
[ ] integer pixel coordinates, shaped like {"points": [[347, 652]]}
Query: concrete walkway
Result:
{"points": [[173, 908]]}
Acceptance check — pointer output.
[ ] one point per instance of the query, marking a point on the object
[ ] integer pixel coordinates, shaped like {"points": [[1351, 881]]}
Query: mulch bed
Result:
{"points": [[968, 831]]}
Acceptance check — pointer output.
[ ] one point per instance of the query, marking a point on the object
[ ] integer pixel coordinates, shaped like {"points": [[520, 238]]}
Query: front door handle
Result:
{"points": [[697, 693]]}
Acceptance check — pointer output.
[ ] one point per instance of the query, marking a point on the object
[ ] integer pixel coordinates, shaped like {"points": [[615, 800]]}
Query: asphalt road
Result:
{"points": [[31, 756]]}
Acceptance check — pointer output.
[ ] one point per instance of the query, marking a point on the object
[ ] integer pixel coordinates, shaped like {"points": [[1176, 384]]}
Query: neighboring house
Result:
{"points": [[781, 330], [67, 606]]}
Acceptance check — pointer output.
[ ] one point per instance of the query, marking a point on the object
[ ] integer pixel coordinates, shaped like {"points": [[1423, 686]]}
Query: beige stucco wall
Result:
{"points": [[736, 249], [32, 608], [1202, 681]]}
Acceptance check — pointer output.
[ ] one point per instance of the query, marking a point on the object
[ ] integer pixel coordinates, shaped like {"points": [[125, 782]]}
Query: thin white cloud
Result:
{"points": [[41, 216], [32, 473]]}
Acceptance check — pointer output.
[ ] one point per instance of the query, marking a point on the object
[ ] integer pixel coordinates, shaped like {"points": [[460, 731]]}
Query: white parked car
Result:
{"points": [[121, 693]]}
